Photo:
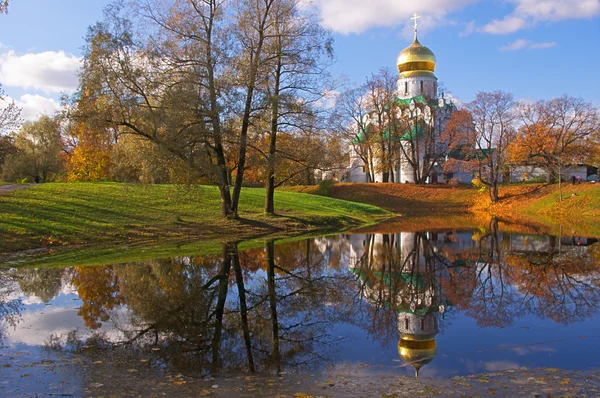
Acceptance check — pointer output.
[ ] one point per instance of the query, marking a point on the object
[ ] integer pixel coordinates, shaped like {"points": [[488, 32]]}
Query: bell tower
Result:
{"points": [[416, 65]]}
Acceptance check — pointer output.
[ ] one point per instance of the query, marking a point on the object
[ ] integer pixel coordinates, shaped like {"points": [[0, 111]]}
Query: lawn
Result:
{"points": [[61, 214]]}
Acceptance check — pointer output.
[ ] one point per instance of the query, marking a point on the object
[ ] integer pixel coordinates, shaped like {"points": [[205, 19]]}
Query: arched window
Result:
{"points": [[405, 88], [421, 86]]}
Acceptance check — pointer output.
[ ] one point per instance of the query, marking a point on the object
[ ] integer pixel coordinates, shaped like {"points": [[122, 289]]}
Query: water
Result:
{"points": [[442, 302]]}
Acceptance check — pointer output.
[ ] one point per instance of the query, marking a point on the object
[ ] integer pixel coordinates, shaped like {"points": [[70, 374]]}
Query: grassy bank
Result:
{"points": [[82, 214], [432, 205]]}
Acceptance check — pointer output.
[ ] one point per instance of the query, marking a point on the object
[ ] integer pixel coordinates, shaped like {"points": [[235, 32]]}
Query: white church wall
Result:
{"points": [[410, 87], [528, 173]]}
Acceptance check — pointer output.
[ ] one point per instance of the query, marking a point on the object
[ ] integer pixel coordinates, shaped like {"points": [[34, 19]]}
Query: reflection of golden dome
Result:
{"points": [[417, 351], [416, 60]]}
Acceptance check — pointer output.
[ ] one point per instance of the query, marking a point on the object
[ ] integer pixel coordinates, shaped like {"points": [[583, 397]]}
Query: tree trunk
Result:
{"points": [[255, 62], [270, 246], [220, 309], [269, 199], [239, 278]]}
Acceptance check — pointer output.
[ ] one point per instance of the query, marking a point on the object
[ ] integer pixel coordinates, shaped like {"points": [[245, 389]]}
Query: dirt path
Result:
{"points": [[4, 189]]}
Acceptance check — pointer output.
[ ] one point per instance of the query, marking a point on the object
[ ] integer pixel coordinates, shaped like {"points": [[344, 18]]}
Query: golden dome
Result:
{"points": [[416, 60], [417, 352]]}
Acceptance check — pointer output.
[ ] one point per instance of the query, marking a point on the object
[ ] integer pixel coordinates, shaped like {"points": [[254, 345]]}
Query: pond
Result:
{"points": [[439, 302]]}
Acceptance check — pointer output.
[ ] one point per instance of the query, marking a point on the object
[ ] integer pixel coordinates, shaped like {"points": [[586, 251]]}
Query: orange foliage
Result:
{"points": [[90, 159]]}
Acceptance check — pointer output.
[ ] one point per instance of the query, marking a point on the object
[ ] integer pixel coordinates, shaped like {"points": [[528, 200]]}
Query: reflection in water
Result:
{"points": [[283, 306], [11, 305]]}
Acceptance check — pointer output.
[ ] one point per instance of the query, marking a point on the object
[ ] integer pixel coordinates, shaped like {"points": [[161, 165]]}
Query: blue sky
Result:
{"points": [[536, 49]]}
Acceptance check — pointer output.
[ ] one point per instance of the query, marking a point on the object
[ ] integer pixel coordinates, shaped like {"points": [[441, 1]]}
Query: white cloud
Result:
{"points": [[503, 26], [356, 16], [529, 13], [33, 105], [522, 44], [516, 45], [542, 46], [469, 28], [49, 71]]}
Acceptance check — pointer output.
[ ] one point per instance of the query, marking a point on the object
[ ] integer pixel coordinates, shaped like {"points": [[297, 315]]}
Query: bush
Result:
{"points": [[454, 182], [477, 183], [325, 187]]}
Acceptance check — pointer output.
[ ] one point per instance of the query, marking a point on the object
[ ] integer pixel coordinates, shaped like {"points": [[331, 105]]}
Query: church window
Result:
{"points": [[405, 323], [422, 324], [405, 88], [421, 86]]}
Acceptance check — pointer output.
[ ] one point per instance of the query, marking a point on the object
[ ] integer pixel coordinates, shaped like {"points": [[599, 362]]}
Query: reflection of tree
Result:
{"points": [[98, 289], [514, 281], [302, 296], [44, 283], [272, 307], [220, 312], [10, 305], [562, 286], [492, 301]]}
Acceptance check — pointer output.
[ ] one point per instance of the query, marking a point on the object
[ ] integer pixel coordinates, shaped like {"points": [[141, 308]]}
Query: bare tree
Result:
{"points": [[9, 113], [493, 124], [351, 121]]}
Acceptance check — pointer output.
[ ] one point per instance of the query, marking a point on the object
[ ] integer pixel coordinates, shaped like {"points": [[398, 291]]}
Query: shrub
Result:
{"points": [[477, 183], [454, 182], [325, 187]]}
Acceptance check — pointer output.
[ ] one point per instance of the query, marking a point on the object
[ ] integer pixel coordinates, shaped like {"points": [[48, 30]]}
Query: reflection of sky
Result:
{"points": [[462, 346], [40, 321]]}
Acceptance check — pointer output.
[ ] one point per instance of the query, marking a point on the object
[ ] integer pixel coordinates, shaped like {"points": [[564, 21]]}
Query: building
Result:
{"points": [[417, 152]]}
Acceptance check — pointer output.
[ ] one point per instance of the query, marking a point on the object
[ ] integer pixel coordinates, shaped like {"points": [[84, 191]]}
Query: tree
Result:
{"points": [[421, 134], [4, 6], [493, 119], [294, 81], [39, 146], [350, 120], [556, 133], [383, 120], [9, 122], [9, 114], [183, 75]]}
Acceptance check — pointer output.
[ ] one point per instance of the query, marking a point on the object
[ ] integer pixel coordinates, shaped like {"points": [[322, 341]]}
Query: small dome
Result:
{"points": [[416, 58], [417, 353]]}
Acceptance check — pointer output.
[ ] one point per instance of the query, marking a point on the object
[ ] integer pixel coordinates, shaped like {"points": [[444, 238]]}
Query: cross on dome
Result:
{"points": [[415, 17]]}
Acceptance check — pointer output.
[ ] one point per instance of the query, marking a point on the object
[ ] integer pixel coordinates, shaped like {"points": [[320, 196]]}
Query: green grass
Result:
{"points": [[104, 216], [578, 201]]}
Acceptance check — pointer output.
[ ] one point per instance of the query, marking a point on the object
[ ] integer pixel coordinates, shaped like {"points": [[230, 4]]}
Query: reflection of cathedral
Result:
{"points": [[403, 272]]}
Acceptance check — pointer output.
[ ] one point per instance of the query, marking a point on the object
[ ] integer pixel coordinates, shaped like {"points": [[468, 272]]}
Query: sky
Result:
{"points": [[535, 49]]}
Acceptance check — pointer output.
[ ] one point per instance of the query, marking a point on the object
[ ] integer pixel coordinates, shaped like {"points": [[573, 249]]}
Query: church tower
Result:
{"points": [[416, 64]]}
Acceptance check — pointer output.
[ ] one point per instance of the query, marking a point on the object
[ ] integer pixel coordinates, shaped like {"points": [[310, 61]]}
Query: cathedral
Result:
{"points": [[418, 152]]}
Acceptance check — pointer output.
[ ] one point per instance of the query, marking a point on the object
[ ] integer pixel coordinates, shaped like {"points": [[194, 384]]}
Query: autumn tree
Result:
{"points": [[184, 75], [295, 59], [350, 120], [383, 120], [39, 147], [460, 137], [556, 134], [493, 120]]}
